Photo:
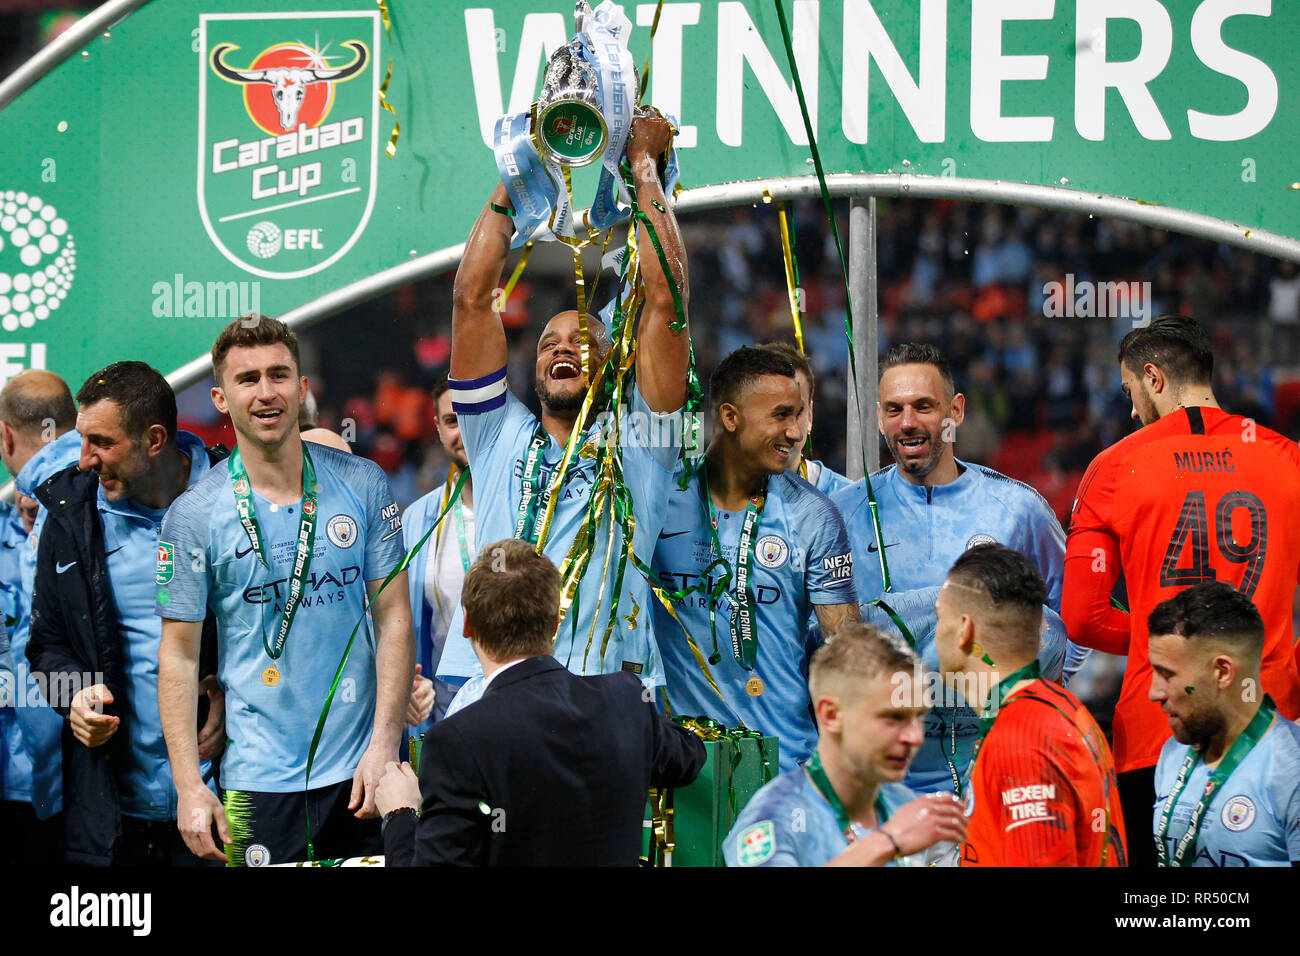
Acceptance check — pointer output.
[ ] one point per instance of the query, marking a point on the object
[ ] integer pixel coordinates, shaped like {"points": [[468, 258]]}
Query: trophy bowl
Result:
{"points": [[567, 125]]}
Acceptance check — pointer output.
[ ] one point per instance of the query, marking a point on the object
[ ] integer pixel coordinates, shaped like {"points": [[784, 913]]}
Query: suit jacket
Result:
{"points": [[548, 769]]}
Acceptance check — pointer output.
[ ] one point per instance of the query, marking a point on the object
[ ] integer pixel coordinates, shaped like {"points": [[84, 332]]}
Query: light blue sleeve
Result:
{"points": [[470, 692], [184, 560], [653, 436], [829, 562], [1286, 786], [487, 411], [383, 520]]}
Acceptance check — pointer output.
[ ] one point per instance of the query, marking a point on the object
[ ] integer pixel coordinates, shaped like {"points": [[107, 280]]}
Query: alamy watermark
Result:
{"points": [[23, 688], [178, 298], [1083, 299]]}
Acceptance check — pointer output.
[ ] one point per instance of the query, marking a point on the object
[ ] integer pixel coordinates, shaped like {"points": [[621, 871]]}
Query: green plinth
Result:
{"points": [[702, 814]]}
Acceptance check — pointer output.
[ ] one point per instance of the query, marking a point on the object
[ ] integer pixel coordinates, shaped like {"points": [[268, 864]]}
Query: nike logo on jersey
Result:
{"points": [[9, 546], [873, 549], [663, 535], [239, 554], [60, 568], [109, 554]]}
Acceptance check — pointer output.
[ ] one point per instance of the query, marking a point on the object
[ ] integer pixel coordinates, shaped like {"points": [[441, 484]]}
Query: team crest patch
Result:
{"points": [[342, 531], [166, 563], [756, 845], [980, 539], [771, 551], [257, 855], [1238, 813]]}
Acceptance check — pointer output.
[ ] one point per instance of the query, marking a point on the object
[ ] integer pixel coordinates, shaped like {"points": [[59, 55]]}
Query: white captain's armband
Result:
{"points": [[473, 396]]}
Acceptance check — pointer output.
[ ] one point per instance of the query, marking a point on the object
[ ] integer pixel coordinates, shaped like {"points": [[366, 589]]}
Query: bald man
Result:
{"points": [[37, 440]]}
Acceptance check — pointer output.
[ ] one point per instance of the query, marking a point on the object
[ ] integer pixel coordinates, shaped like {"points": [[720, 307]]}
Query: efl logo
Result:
{"points": [[287, 134]]}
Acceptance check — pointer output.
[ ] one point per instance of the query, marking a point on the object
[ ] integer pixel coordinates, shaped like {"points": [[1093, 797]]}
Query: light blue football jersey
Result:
{"points": [[801, 559], [824, 479], [951, 727], [789, 823], [1254, 818], [358, 539], [497, 430], [927, 529]]}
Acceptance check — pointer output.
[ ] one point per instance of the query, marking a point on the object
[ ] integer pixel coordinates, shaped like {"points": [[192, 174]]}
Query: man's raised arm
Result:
{"points": [[663, 355], [478, 341]]}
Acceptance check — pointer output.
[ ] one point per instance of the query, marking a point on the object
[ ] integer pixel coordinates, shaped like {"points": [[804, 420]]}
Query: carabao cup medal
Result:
{"points": [[271, 676], [754, 686], [568, 127]]}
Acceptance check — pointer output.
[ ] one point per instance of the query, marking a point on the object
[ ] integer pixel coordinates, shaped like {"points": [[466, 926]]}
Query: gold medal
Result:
{"points": [[753, 687], [271, 676]]}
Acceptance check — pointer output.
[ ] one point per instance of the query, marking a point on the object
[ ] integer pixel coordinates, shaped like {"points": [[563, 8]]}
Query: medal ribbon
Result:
{"points": [[744, 628], [1030, 671], [247, 513], [817, 774], [1245, 742]]}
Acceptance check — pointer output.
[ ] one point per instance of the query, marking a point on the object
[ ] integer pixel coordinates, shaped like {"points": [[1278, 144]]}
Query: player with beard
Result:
{"points": [[777, 544], [437, 571], [1196, 494], [514, 456], [933, 507], [1228, 785]]}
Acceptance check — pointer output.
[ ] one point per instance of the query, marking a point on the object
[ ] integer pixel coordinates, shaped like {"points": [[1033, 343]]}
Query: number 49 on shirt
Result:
{"points": [[1193, 532]]}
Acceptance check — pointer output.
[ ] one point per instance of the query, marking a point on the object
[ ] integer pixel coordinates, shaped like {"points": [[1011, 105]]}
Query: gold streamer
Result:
{"points": [[383, 15], [514, 276], [796, 311], [391, 149], [437, 538]]}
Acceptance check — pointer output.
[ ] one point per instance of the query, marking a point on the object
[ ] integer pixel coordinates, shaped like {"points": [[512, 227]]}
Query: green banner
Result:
{"points": [[197, 160]]}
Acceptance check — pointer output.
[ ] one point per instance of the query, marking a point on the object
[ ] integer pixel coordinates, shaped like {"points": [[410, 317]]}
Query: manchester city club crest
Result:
{"points": [[1238, 813], [342, 531], [288, 138], [771, 551]]}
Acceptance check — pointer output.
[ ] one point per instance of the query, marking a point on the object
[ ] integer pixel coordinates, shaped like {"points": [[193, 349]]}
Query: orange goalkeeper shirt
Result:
{"points": [[1199, 495], [1042, 791]]}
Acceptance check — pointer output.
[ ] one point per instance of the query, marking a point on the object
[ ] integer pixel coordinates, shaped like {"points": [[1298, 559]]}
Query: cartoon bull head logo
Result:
{"points": [[289, 83]]}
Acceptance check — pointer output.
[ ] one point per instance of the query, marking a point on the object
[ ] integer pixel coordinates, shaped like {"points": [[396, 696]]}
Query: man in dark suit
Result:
{"points": [[548, 768]]}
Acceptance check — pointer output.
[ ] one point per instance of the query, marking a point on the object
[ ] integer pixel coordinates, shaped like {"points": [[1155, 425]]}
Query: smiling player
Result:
{"points": [[285, 545], [781, 541], [516, 458]]}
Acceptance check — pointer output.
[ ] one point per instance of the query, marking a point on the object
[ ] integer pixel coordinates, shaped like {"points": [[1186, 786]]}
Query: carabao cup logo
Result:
{"points": [[288, 137]]}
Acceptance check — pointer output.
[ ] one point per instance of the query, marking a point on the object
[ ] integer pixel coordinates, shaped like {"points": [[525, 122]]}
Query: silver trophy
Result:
{"points": [[568, 127]]}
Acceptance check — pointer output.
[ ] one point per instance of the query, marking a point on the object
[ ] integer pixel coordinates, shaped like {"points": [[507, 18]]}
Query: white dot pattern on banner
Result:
{"points": [[38, 257]]}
